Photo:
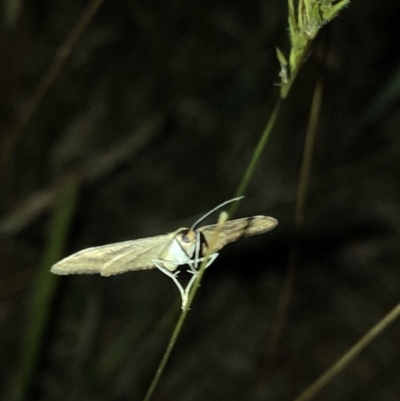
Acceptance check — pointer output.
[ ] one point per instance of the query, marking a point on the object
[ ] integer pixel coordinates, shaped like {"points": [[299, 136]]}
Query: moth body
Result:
{"points": [[179, 251], [170, 250], [166, 252]]}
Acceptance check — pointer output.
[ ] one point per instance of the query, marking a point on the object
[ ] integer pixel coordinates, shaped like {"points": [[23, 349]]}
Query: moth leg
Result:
{"points": [[193, 264], [174, 279], [211, 259], [194, 270], [186, 292], [197, 252]]}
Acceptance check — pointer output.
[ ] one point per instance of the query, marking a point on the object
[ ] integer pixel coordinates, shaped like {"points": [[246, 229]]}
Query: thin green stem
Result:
{"points": [[305, 170], [286, 86], [182, 317], [167, 354], [302, 190], [44, 290]]}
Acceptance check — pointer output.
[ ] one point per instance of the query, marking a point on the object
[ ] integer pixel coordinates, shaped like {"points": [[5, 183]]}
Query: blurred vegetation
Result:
{"points": [[155, 115]]}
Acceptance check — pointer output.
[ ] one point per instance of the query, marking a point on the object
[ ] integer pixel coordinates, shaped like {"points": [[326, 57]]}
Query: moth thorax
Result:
{"points": [[180, 250]]}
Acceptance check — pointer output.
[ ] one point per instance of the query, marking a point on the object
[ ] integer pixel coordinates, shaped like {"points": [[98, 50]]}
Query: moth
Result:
{"points": [[165, 252]]}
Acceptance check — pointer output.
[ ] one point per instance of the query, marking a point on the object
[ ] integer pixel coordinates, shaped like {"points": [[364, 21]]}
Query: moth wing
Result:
{"points": [[233, 230], [139, 257], [113, 258]]}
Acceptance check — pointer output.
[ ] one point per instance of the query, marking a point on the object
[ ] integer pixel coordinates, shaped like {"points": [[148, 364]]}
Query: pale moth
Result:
{"points": [[165, 252]]}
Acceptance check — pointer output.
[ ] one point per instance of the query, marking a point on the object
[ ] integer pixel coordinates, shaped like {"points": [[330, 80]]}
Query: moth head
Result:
{"points": [[192, 239], [187, 236], [187, 239]]}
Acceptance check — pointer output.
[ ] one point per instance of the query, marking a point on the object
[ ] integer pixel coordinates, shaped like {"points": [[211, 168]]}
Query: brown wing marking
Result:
{"points": [[233, 230]]}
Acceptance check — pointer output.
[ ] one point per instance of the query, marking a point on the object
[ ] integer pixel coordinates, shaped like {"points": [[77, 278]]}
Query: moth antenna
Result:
{"points": [[213, 210]]}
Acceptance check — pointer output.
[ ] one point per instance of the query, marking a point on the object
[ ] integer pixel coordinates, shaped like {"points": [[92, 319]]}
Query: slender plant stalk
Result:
{"points": [[44, 291], [304, 24], [178, 327], [353, 352], [302, 190], [305, 171], [62, 216], [50, 76], [305, 21]]}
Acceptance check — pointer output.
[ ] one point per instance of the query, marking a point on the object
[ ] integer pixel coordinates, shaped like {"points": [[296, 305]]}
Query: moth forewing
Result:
{"points": [[90, 260], [115, 258], [139, 256], [233, 230]]}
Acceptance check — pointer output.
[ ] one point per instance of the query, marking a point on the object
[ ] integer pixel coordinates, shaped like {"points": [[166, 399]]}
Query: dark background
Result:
{"points": [[157, 111]]}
